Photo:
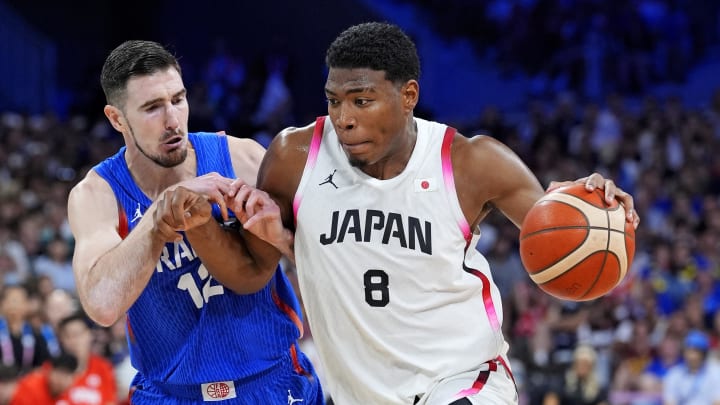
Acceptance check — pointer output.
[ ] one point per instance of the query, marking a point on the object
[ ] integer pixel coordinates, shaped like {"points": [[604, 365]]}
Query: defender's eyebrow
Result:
{"points": [[155, 100]]}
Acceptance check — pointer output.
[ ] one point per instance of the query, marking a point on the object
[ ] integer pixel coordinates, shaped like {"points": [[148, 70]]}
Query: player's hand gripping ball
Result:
{"points": [[574, 245]]}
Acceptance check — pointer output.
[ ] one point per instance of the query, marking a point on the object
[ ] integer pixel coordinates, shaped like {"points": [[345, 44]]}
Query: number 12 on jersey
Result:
{"points": [[200, 297]]}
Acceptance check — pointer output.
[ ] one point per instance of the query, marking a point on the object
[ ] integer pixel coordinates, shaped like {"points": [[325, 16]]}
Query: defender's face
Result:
{"points": [[368, 112], [156, 111]]}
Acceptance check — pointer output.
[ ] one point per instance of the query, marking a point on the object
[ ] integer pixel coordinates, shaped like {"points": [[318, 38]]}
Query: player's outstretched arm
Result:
{"points": [[240, 261], [110, 272], [266, 211], [490, 175], [260, 216]]}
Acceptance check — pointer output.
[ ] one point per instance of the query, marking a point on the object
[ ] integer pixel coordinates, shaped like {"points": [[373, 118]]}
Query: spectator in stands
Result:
{"points": [[14, 263], [634, 358], [581, 385], [94, 382], [667, 355], [55, 264], [20, 345], [696, 381], [47, 385]]}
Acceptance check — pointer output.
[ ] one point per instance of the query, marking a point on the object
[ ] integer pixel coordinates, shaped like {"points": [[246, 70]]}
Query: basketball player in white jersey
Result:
{"points": [[384, 207]]}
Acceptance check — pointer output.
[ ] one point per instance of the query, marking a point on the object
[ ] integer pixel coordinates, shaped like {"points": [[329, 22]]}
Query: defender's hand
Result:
{"points": [[180, 209]]}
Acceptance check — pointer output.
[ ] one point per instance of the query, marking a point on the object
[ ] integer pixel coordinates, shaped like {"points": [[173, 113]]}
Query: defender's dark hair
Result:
{"points": [[132, 58], [376, 46]]}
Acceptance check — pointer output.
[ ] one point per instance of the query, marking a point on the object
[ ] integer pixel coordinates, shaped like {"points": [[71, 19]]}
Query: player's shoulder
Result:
{"points": [[296, 136], [243, 145], [478, 148], [292, 142], [91, 184], [245, 155]]}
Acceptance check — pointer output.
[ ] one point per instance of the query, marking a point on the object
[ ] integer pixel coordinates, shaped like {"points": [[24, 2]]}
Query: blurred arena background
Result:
{"points": [[629, 88]]}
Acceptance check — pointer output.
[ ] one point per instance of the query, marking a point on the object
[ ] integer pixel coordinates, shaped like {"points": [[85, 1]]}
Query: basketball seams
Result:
{"points": [[602, 223], [583, 250], [575, 245], [570, 260]]}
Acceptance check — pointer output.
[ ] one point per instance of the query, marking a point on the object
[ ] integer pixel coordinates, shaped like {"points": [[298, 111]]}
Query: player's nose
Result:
{"points": [[172, 118], [345, 119]]}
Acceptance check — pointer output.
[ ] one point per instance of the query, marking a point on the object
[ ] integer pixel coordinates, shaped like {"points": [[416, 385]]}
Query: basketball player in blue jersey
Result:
{"points": [[380, 210], [192, 339]]}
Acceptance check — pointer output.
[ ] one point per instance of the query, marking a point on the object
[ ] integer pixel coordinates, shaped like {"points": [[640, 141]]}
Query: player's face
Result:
{"points": [[371, 115], [156, 111]]}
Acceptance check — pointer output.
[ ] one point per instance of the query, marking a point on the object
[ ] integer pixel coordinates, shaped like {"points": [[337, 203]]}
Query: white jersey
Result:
{"points": [[396, 295]]}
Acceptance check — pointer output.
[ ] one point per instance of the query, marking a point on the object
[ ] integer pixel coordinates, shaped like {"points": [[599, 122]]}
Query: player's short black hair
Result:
{"points": [[129, 59], [376, 46]]}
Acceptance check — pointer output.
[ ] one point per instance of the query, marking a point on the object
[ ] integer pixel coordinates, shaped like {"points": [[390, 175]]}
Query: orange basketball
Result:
{"points": [[574, 245]]}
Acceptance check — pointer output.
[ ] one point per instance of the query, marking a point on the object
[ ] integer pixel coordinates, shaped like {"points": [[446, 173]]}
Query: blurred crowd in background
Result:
{"points": [[617, 349], [585, 45]]}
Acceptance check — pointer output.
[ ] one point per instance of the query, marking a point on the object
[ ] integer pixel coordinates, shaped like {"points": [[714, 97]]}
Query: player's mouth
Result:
{"points": [[356, 147], [174, 142]]}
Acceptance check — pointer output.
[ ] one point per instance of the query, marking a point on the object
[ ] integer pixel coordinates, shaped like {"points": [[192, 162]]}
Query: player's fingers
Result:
{"points": [[254, 203], [611, 190], [557, 184], [218, 197], [593, 181], [162, 218], [242, 196], [235, 186], [256, 218], [251, 221], [178, 207], [223, 207], [629, 203], [198, 213]]}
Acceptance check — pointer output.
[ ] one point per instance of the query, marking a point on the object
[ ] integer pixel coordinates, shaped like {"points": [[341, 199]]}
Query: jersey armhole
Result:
{"points": [[449, 180], [309, 163]]}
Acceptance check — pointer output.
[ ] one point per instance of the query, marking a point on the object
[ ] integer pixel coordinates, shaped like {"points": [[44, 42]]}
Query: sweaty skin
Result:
{"points": [[378, 136], [112, 272]]}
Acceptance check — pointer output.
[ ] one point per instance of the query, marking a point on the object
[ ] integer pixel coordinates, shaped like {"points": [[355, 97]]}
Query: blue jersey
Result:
{"points": [[186, 328]]}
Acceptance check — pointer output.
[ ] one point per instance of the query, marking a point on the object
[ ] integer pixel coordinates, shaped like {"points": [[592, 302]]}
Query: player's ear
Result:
{"points": [[114, 115], [410, 92]]}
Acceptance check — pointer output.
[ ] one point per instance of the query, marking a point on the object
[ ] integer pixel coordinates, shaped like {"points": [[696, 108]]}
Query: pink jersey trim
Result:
{"points": [[311, 159], [483, 377], [450, 178], [487, 298]]}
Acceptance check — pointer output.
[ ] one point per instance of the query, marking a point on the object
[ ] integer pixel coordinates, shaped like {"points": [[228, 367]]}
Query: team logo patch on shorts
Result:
{"points": [[218, 391]]}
